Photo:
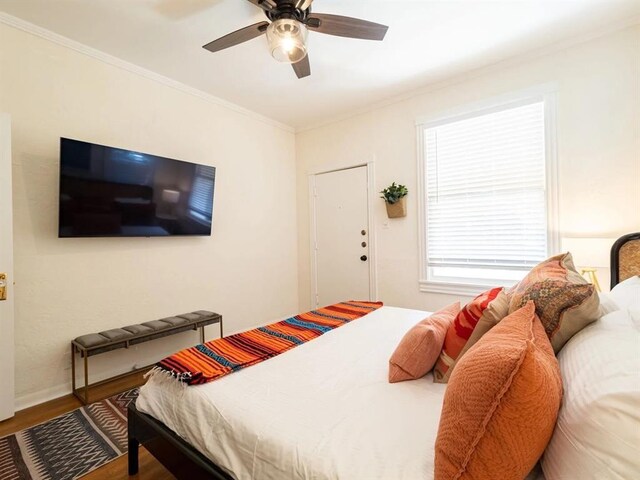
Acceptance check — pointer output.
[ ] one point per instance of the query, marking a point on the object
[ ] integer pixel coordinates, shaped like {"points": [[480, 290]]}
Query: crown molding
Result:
{"points": [[465, 75], [432, 86], [56, 38]]}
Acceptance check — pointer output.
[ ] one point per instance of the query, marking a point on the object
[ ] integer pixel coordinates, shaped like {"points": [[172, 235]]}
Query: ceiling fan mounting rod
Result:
{"points": [[287, 9]]}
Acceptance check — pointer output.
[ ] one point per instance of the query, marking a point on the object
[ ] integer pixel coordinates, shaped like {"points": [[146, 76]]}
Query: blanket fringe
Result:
{"points": [[168, 378]]}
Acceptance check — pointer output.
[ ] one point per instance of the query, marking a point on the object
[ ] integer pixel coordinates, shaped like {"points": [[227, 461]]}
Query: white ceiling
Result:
{"points": [[427, 41]]}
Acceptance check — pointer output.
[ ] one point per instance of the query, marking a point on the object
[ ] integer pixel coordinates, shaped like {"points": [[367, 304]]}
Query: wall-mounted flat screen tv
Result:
{"points": [[112, 192]]}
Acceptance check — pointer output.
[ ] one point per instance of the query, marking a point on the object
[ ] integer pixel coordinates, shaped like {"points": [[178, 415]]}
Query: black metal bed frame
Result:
{"points": [[180, 458]]}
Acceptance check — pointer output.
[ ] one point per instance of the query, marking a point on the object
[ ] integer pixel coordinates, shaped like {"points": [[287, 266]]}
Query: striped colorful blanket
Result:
{"points": [[212, 360]]}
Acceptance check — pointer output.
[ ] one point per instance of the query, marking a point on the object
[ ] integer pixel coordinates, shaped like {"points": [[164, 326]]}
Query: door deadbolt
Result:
{"points": [[363, 232], [3, 286], [363, 258]]}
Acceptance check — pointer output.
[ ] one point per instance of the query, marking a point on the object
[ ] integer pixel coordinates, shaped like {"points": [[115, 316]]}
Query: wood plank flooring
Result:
{"points": [[150, 468]]}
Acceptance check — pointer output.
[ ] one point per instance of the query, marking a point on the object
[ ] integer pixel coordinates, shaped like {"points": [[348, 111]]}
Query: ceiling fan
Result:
{"points": [[287, 28]]}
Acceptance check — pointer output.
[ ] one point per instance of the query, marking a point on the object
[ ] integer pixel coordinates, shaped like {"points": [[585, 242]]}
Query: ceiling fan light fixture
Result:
{"points": [[287, 40]]}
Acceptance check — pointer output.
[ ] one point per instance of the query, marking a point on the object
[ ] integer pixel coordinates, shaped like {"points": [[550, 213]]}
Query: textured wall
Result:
{"points": [[246, 270], [598, 133]]}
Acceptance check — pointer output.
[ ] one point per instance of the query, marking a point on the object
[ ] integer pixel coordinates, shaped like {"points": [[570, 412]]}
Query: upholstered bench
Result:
{"points": [[108, 340]]}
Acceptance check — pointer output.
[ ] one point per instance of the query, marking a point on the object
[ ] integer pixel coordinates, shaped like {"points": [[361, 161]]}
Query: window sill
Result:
{"points": [[463, 289]]}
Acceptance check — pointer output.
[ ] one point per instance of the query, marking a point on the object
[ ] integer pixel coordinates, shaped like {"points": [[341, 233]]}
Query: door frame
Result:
{"points": [[7, 352], [313, 250]]}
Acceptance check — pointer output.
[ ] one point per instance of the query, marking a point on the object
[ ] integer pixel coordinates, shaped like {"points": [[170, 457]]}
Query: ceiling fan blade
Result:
{"points": [[265, 5], [302, 68], [346, 26], [239, 36]]}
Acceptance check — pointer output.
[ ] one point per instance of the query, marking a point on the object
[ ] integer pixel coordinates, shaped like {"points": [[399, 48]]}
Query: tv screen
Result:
{"points": [[111, 192]]}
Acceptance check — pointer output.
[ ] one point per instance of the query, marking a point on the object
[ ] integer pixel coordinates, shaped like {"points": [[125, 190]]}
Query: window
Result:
{"points": [[201, 199], [488, 195]]}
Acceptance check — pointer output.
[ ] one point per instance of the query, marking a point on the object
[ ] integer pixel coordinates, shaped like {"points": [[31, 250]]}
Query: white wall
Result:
{"points": [[598, 151], [247, 270]]}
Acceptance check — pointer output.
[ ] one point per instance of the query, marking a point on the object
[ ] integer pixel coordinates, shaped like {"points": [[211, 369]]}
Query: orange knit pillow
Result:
{"points": [[418, 350], [474, 320], [501, 404]]}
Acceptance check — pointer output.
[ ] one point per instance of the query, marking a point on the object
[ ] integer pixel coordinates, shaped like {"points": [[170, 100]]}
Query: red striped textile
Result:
{"points": [[212, 360]]}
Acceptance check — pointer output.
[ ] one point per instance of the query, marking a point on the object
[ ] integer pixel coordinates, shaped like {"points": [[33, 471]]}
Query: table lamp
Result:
{"points": [[589, 254]]}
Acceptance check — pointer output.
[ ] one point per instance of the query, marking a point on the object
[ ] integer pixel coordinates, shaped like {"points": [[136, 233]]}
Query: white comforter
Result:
{"points": [[323, 410]]}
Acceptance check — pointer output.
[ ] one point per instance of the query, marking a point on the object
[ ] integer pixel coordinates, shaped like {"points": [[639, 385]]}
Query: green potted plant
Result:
{"points": [[394, 198]]}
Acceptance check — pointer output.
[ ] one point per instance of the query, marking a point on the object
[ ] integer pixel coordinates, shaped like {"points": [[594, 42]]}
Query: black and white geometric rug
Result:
{"points": [[70, 445]]}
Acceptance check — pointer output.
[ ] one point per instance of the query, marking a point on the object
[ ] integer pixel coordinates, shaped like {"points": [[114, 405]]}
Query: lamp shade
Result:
{"points": [[589, 252], [170, 196]]}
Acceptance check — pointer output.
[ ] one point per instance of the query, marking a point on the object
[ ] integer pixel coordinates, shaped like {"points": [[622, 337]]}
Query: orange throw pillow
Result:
{"points": [[501, 404], [418, 350], [473, 321]]}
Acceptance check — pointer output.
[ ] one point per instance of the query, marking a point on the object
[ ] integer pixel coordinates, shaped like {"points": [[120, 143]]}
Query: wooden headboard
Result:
{"points": [[625, 258]]}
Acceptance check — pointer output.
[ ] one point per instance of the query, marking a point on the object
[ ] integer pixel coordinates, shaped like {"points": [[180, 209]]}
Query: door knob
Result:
{"points": [[364, 244], [363, 232], [3, 286], [363, 258]]}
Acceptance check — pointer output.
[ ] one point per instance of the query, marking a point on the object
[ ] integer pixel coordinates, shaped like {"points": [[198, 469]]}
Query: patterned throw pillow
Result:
{"points": [[473, 321], [501, 404], [565, 301], [417, 352]]}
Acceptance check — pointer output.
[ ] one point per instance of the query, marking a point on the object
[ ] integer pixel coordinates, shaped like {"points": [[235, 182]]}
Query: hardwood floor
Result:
{"points": [[150, 468]]}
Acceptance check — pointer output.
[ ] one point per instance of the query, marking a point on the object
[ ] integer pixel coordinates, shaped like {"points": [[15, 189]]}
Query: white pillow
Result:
{"points": [[634, 312], [598, 429], [627, 292], [607, 304]]}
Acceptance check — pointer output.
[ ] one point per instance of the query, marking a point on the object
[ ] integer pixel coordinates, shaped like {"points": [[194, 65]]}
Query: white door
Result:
{"points": [[340, 236], [6, 270]]}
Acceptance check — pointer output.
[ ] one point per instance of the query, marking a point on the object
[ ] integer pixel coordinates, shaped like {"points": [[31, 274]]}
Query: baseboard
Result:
{"points": [[41, 396], [52, 393]]}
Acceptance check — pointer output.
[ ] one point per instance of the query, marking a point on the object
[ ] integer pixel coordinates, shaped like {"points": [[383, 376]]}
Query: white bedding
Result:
{"points": [[323, 410]]}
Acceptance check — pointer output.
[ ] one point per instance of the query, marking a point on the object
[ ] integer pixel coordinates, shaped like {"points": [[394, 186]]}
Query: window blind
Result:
{"points": [[486, 191], [201, 199]]}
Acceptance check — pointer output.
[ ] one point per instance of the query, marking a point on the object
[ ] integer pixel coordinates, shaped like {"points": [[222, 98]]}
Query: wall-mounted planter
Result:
{"points": [[398, 209]]}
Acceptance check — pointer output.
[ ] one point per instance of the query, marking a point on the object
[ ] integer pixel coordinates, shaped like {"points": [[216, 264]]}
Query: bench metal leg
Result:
{"points": [[81, 393], [73, 368], [86, 378], [202, 339]]}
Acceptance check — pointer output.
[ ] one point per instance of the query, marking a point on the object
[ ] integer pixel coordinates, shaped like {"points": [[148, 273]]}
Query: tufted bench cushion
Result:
{"points": [[175, 321], [95, 343], [91, 340], [137, 329]]}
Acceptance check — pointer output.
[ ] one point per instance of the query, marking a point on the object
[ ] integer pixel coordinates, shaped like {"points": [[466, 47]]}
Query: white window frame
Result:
{"points": [[545, 93]]}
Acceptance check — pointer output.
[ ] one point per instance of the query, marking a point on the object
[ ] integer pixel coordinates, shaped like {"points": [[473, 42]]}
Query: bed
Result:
{"points": [[304, 414]]}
